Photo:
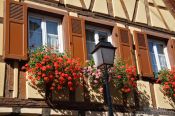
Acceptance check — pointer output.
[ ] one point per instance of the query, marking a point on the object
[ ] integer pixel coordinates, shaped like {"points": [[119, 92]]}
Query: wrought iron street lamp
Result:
{"points": [[103, 55]]}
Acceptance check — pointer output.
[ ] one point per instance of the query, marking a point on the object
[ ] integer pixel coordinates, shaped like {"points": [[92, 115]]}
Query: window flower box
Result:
{"points": [[53, 71], [166, 78]]}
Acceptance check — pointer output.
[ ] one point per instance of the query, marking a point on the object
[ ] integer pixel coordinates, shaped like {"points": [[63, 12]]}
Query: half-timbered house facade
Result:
{"points": [[142, 30]]}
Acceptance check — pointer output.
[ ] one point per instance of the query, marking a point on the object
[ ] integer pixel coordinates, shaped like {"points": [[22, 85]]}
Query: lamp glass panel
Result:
{"points": [[108, 55], [97, 55]]}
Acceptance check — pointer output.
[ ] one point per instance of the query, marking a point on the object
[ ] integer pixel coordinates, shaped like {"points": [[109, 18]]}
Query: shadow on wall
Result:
{"points": [[168, 100], [172, 102], [143, 96], [144, 99]]}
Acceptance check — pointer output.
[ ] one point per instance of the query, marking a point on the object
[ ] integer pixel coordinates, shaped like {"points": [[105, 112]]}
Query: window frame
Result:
{"points": [[98, 29], [45, 18], [154, 41]]}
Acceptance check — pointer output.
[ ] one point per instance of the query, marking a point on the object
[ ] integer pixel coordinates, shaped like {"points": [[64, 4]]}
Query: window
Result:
{"points": [[158, 54], [45, 30], [93, 34]]}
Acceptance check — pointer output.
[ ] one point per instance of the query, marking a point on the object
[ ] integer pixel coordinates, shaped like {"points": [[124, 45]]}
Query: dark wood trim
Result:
{"points": [[110, 7], [107, 17], [72, 96], [148, 79], [98, 21], [40, 8], [85, 106], [1, 58], [124, 21], [91, 4], [53, 1], [9, 79], [1, 19], [171, 6], [147, 12], [153, 95], [166, 25], [83, 4], [160, 7], [22, 82], [125, 10], [135, 11], [80, 106]]}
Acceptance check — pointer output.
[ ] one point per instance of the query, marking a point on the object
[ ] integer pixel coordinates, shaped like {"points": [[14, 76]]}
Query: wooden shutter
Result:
{"points": [[78, 40], [125, 51], [15, 39], [171, 51], [142, 52]]}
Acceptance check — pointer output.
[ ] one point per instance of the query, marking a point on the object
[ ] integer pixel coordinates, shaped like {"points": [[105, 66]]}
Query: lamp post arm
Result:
{"points": [[107, 90]]}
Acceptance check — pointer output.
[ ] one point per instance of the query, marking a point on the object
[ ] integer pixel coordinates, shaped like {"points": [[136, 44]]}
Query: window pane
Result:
{"points": [[153, 58], [162, 60], [155, 69], [90, 35], [35, 33], [35, 24], [161, 55], [90, 42], [154, 63], [160, 49], [52, 27], [52, 41], [151, 47], [52, 34]]}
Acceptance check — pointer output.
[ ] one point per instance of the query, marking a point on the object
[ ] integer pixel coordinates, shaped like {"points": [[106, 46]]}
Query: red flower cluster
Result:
{"points": [[58, 70], [167, 80], [124, 77]]}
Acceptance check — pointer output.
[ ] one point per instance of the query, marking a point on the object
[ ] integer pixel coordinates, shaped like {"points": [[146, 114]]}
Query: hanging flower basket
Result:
{"points": [[57, 71], [166, 78], [124, 77]]}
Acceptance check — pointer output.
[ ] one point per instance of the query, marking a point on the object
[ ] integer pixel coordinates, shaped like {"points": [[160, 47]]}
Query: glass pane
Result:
{"points": [[90, 35], [35, 33], [90, 48], [153, 58], [153, 61], [151, 47], [52, 34], [162, 60], [90, 42], [52, 41], [160, 48], [35, 24], [155, 69], [52, 27]]}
